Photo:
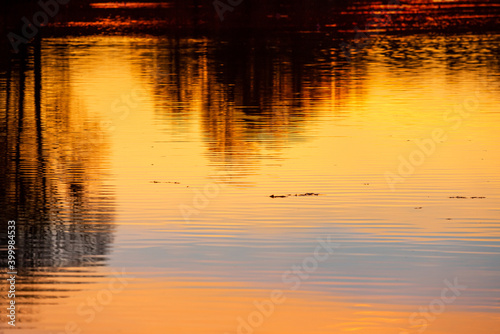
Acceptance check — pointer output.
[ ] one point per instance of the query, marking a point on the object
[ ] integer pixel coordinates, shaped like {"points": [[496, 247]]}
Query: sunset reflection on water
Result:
{"points": [[152, 159]]}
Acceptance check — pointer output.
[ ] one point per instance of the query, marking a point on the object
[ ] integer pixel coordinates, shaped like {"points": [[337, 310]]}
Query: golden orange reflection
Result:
{"points": [[165, 119], [183, 307]]}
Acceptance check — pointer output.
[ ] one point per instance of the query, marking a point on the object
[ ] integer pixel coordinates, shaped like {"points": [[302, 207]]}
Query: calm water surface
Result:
{"points": [[139, 170]]}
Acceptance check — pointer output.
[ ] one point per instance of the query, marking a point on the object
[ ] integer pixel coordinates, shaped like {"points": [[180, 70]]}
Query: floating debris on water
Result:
{"points": [[174, 182], [288, 195]]}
